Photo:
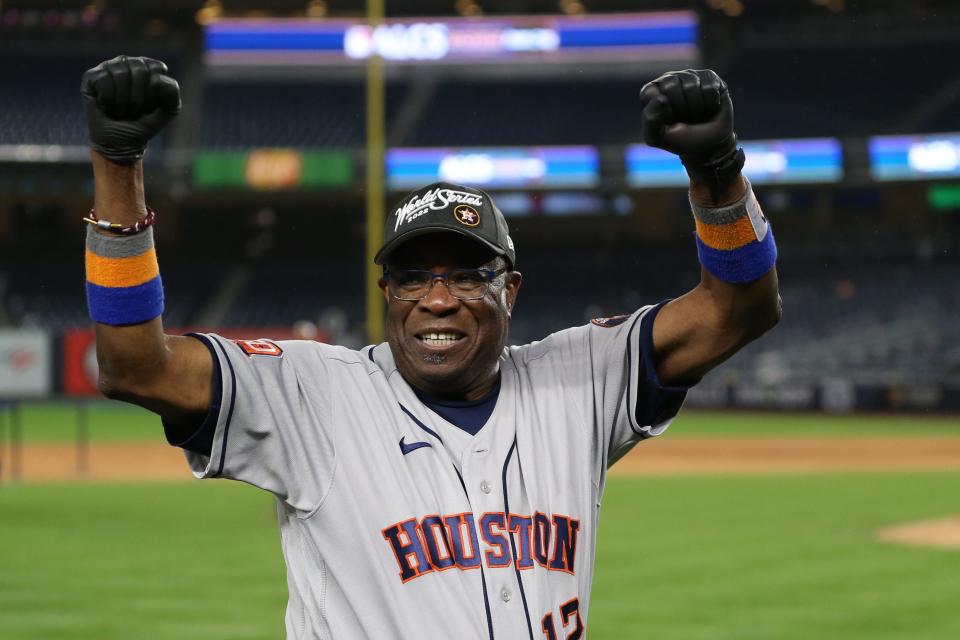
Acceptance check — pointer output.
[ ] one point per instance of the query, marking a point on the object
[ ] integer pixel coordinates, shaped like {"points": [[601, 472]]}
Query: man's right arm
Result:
{"points": [[128, 101]]}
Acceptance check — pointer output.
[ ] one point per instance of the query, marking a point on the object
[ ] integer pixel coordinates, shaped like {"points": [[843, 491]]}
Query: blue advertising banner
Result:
{"points": [[498, 167], [623, 37], [768, 162]]}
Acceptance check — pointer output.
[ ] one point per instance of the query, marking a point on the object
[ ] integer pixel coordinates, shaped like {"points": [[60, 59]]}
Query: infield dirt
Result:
{"points": [[689, 455]]}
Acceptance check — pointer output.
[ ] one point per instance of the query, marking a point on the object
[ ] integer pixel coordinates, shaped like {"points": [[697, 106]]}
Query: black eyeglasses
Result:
{"points": [[464, 284]]}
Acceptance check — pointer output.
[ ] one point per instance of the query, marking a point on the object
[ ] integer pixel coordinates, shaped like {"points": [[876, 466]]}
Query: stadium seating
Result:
{"points": [[40, 102], [321, 114], [770, 107], [42, 107], [882, 321], [52, 295], [541, 112], [487, 112]]}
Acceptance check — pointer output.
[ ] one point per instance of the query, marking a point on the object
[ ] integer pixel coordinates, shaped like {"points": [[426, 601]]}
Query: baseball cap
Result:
{"points": [[444, 206]]}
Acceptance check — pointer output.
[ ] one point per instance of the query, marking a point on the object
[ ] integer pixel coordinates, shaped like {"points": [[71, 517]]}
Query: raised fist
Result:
{"points": [[128, 101], [690, 113]]}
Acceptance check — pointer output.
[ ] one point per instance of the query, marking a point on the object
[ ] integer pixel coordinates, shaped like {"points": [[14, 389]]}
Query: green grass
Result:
{"points": [[110, 421], [708, 557], [172, 561], [724, 558], [761, 424], [107, 421]]}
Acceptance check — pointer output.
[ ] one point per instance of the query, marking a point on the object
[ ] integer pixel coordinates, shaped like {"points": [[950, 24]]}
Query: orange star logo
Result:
{"points": [[467, 215]]}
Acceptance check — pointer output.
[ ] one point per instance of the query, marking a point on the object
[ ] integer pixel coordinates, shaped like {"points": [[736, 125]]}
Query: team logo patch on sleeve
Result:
{"points": [[612, 321], [260, 347]]}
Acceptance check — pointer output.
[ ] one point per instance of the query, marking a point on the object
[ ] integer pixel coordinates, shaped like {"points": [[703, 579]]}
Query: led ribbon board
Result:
{"points": [[272, 169], [622, 37], [530, 167], [768, 162], [915, 157]]}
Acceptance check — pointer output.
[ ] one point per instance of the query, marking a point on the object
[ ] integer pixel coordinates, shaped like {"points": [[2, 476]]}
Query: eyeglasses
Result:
{"points": [[464, 284]]}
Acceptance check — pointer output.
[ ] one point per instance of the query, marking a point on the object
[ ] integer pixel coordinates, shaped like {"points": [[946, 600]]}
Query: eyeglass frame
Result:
{"points": [[490, 274]]}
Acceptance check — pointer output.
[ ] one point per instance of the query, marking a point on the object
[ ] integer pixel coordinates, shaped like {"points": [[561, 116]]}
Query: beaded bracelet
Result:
{"points": [[114, 227]]}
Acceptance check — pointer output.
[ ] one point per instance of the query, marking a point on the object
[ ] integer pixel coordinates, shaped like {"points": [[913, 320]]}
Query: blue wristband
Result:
{"points": [[746, 264]]}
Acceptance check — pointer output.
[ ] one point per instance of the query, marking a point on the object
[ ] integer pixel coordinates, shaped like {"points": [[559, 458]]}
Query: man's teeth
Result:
{"points": [[439, 339]]}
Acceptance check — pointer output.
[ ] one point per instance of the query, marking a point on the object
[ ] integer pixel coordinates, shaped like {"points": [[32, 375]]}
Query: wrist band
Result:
{"points": [[735, 243], [123, 278], [115, 227]]}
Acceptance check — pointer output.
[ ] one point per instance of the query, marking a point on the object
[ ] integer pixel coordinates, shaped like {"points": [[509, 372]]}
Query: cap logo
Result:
{"points": [[467, 215], [433, 200]]}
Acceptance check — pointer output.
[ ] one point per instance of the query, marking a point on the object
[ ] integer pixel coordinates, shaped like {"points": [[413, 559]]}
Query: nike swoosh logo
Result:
{"points": [[413, 446]]}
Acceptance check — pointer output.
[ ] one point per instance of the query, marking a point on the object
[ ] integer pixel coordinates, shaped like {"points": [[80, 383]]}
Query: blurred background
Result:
{"points": [[849, 113], [776, 506], [260, 182]]}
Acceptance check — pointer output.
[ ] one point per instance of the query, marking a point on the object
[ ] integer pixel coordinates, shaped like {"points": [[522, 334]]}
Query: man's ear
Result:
{"points": [[512, 288], [382, 283]]}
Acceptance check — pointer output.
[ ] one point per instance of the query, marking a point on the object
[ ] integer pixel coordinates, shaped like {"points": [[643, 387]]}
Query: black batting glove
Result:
{"points": [[690, 113], [128, 101]]}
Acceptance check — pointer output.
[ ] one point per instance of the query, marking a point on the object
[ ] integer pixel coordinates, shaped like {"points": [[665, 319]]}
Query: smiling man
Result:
{"points": [[441, 484], [447, 340]]}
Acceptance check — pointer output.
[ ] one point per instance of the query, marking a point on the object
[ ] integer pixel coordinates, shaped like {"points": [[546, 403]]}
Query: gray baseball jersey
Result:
{"points": [[395, 523]]}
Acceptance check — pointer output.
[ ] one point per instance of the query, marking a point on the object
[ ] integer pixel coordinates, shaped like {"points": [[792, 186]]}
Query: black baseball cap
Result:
{"points": [[444, 206]]}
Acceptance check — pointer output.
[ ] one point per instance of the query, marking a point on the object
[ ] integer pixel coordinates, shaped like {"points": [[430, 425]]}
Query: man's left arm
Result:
{"points": [[690, 113], [697, 331]]}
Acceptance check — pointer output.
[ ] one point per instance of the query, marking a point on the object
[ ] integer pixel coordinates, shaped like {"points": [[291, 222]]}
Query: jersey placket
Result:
{"points": [[482, 466]]}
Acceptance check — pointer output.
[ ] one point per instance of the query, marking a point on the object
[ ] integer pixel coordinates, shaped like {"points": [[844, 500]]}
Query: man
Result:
{"points": [[439, 485]]}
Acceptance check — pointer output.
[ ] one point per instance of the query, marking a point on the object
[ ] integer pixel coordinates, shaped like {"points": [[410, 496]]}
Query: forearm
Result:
{"points": [[704, 195], [126, 354], [704, 327], [690, 113], [745, 308], [117, 190], [128, 101], [737, 299], [737, 313], [129, 356]]}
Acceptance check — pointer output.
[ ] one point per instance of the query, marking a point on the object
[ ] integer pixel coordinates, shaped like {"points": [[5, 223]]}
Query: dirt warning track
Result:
{"points": [[791, 455], [98, 462], [682, 455]]}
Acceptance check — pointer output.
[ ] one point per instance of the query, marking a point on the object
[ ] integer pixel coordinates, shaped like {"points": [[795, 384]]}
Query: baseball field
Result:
{"points": [[732, 526]]}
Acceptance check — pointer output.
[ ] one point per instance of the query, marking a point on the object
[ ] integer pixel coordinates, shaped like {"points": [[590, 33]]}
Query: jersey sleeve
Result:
{"points": [[607, 371], [634, 404], [269, 420]]}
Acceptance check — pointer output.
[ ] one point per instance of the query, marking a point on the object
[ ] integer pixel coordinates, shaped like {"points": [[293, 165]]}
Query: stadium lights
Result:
{"points": [[91, 16], [572, 7], [468, 8], [37, 153], [732, 8], [316, 9], [834, 6], [210, 12]]}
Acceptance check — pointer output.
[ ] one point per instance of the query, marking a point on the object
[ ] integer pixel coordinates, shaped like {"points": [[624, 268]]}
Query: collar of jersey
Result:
{"points": [[429, 399]]}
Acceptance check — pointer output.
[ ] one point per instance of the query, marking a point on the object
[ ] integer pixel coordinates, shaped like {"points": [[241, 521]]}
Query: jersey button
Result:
{"points": [[505, 595], [485, 486]]}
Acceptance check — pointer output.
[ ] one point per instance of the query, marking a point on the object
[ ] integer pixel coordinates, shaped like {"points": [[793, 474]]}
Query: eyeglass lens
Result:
{"points": [[465, 284]]}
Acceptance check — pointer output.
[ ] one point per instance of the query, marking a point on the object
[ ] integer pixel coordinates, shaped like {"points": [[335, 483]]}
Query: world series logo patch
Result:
{"points": [[467, 215]]}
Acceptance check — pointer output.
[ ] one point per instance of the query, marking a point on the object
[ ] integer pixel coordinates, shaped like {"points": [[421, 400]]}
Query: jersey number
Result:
{"points": [[568, 610]]}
